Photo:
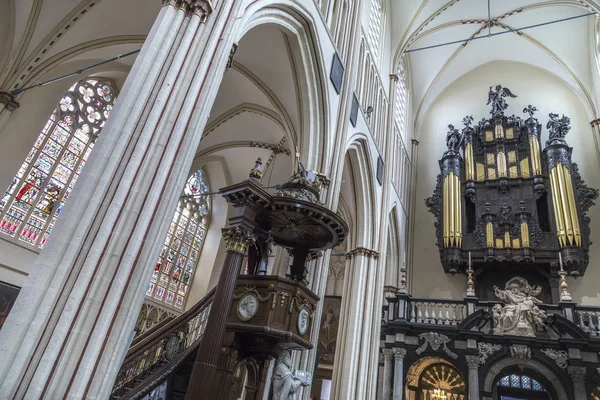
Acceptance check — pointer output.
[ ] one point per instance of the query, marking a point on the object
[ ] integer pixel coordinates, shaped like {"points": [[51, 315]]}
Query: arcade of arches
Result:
{"points": [[299, 199]]}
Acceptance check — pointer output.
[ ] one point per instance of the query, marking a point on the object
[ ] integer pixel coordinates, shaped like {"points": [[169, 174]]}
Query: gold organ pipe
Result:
{"points": [[470, 173], [534, 148], [458, 211], [489, 234], [446, 210], [506, 239], [451, 209], [501, 164], [525, 233], [571, 204], [499, 131], [562, 196], [560, 225], [452, 230]]}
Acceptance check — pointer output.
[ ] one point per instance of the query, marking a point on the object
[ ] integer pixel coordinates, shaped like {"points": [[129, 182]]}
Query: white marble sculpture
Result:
{"points": [[285, 382], [520, 314]]}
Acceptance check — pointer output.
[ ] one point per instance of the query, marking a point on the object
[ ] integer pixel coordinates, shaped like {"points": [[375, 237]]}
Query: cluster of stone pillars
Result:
{"points": [[77, 311]]}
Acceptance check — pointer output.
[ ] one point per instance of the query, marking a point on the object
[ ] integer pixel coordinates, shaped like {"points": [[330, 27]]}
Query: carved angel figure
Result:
{"points": [[520, 313], [497, 99], [453, 139], [558, 128]]}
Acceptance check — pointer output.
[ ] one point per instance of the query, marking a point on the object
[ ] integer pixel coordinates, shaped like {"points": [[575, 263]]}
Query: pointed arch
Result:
{"points": [[313, 139]]}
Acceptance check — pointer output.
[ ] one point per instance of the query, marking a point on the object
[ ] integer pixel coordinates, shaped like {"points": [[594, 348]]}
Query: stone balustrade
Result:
{"points": [[402, 307], [439, 312], [588, 319]]}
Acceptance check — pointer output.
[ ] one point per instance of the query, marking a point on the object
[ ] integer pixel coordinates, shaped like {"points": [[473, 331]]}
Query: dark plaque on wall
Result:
{"points": [[337, 73], [354, 110], [380, 170], [8, 296]]}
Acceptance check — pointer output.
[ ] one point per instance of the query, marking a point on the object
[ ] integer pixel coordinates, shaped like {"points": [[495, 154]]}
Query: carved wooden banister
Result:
{"points": [[156, 354]]}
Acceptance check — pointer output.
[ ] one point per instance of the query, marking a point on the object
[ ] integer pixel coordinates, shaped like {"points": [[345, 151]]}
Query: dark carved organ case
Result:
{"points": [[510, 202]]}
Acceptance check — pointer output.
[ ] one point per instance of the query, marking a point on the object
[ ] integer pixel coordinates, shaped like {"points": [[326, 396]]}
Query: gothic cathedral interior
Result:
{"points": [[299, 199]]}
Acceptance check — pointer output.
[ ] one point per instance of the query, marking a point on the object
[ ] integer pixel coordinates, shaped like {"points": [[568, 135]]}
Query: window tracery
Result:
{"points": [[524, 382], [178, 257], [376, 26], [37, 193]]}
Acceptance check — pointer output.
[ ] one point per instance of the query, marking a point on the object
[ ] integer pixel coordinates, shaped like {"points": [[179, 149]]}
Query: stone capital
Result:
{"points": [[362, 251], [387, 354], [237, 239], [202, 8], [8, 101], [473, 362], [399, 353], [577, 373]]}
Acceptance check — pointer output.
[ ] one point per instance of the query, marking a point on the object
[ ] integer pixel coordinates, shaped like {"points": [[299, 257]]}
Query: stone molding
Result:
{"points": [[560, 357], [387, 354], [8, 101], [436, 340], [237, 239], [399, 353], [486, 349], [203, 8], [473, 362], [577, 373], [362, 251]]}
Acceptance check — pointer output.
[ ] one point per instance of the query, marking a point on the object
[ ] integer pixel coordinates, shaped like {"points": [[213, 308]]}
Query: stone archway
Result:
{"points": [[551, 379], [417, 385]]}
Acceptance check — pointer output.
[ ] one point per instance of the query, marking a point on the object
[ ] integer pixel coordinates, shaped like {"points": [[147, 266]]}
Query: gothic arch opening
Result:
{"points": [[495, 379], [434, 377]]}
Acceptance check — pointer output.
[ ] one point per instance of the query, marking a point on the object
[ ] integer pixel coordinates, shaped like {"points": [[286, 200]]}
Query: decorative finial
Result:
{"points": [[470, 283], [558, 128], [564, 287], [530, 110], [453, 139], [256, 172], [497, 99], [467, 121]]}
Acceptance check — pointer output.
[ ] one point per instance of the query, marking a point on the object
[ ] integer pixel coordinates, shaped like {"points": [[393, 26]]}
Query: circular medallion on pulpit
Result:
{"points": [[247, 307], [303, 321]]}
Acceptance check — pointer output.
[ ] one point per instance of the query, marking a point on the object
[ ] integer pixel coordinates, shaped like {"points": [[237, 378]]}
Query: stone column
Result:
{"points": [[578, 377], [399, 355], [71, 326], [473, 364], [388, 374], [202, 380], [347, 381], [410, 232]]}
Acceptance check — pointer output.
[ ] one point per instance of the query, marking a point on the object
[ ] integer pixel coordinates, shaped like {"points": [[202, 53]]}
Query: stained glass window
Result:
{"points": [[36, 195], [178, 258], [521, 382]]}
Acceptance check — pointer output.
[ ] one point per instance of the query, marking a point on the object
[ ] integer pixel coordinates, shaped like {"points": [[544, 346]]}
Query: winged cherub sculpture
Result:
{"points": [[497, 99]]}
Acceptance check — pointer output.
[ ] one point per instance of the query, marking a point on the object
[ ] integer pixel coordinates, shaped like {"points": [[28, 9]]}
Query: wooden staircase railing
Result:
{"points": [[157, 354]]}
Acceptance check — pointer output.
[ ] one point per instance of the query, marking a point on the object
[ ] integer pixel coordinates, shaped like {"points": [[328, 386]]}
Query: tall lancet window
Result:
{"points": [[376, 26], [34, 199], [401, 103], [178, 258]]}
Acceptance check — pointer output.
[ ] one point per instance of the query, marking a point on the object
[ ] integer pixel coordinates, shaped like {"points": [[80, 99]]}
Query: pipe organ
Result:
{"points": [[507, 200]]}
